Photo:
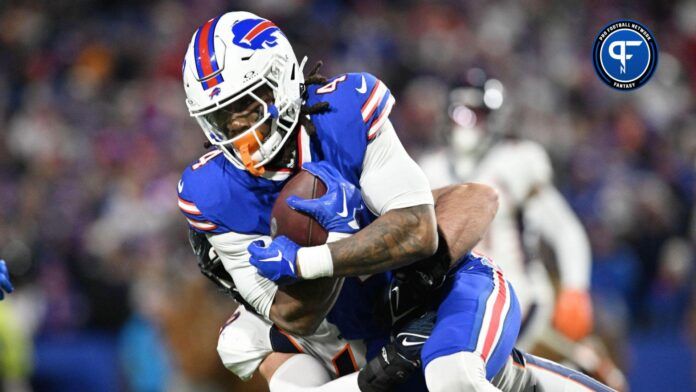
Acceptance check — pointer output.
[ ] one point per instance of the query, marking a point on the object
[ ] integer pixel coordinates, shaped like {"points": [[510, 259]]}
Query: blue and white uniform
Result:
{"points": [[478, 311]]}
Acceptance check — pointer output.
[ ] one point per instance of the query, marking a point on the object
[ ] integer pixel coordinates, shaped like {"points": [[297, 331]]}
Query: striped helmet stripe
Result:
{"points": [[204, 52]]}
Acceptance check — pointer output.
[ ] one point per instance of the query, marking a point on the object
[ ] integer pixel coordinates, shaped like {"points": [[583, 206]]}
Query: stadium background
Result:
{"points": [[94, 133]]}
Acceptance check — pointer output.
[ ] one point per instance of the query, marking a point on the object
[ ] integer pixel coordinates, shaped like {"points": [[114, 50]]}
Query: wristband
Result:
{"points": [[315, 262]]}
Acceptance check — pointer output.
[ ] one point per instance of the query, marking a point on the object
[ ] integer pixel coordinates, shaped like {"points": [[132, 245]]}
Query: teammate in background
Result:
{"points": [[480, 148]]}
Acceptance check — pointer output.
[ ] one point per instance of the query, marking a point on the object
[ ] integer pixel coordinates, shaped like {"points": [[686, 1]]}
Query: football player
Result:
{"points": [[478, 149], [246, 90]]}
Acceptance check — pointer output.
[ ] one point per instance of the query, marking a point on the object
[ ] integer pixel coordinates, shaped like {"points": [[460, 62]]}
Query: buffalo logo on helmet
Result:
{"points": [[254, 34], [215, 92]]}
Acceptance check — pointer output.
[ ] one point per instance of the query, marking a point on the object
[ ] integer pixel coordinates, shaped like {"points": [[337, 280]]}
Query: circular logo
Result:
{"points": [[625, 55]]}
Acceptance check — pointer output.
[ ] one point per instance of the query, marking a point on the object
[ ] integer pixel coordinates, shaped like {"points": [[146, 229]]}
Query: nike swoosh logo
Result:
{"points": [[416, 335], [407, 343], [410, 343], [181, 185], [344, 213], [363, 87], [277, 257]]}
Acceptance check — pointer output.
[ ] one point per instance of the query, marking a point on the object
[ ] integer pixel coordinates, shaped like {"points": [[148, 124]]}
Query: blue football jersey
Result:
{"points": [[217, 197]]}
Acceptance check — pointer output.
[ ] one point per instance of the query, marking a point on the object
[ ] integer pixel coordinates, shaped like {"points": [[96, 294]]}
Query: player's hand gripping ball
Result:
{"points": [[277, 261], [5, 283], [337, 211]]}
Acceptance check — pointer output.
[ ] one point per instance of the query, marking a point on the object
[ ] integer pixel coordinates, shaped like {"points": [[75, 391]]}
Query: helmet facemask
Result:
{"points": [[254, 147]]}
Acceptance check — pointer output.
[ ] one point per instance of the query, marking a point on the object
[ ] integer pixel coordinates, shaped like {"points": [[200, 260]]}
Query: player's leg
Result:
{"points": [[552, 376], [304, 373], [477, 324], [246, 344], [524, 372], [243, 343]]}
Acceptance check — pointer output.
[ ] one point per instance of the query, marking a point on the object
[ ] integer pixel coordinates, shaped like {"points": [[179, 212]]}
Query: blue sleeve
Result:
{"points": [[376, 104], [217, 198], [359, 104], [197, 194]]}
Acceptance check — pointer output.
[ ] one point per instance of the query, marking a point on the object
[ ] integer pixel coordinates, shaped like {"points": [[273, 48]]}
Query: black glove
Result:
{"points": [[399, 359], [412, 289]]}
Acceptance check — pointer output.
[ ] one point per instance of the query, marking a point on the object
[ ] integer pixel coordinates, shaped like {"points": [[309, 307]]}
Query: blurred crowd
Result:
{"points": [[94, 133]]}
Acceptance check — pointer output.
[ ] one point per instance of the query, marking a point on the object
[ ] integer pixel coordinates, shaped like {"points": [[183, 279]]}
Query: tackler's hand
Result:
{"points": [[573, 315], [5, 283], [277, 261], [340, 209]]}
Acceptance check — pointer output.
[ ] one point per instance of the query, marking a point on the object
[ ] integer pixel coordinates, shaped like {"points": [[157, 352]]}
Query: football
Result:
{"points": [[299, 227]]}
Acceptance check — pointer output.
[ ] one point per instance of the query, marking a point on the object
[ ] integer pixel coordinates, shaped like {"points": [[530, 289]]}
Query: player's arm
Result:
{"points": [[397, 238], [394, 188], [464, 212], [298, 308], [548, 212]]}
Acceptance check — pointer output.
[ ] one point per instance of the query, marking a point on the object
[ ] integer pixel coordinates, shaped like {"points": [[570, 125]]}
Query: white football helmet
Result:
{"points": [[229, 58]]}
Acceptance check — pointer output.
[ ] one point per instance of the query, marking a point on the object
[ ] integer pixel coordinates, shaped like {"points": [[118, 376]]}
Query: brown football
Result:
{"points": [[297, 226]]}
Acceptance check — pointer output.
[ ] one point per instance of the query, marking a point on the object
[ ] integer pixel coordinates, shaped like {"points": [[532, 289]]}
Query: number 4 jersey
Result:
{"points": [[234, 207]]}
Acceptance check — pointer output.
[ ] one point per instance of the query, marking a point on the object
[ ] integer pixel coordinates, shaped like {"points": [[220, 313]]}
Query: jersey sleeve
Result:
{"points": [[254, 288], [377, 103], [195, 196], [359, 105], [390, 178], [214, 198]]}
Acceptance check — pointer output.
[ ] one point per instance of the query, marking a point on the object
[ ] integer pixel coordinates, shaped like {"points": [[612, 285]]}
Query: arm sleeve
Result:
{"points": [[390, 179], [258, 291], [549, 214]]}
